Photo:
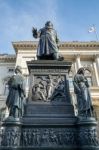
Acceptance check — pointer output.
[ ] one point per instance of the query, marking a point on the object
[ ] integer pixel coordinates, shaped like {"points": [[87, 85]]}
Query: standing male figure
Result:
{"points": [[16, 94], [48, 43]]}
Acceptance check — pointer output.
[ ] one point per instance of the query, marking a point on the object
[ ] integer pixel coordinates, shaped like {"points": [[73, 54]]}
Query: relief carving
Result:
{"points": [[48, 88], [48, 137]]}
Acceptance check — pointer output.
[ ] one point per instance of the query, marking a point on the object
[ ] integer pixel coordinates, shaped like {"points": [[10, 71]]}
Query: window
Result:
{"points": [[10, 70], [88, 76], [6, 86], [6, 89], [70, 82], [89, 81], [89, 72], [71, 79]]}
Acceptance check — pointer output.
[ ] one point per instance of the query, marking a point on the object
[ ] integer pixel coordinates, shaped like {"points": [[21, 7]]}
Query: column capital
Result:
{"points": [[78, 63], [77, 55], [96, 56]]}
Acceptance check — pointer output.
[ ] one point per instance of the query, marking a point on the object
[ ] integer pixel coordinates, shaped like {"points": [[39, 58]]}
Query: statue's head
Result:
{"points": [[49, 25], [81, 70], [18, 69]]}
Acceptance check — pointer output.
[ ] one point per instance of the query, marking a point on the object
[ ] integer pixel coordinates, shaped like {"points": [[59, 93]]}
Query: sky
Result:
{"points": [[71, 19]]}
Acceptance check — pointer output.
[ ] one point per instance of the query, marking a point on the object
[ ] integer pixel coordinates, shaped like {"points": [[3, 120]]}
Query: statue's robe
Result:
{"points": [[16, 92], [81, 89], [47, 43]]}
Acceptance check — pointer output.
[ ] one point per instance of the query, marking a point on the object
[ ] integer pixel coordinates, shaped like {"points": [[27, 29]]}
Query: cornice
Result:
{"points": [[63, 45], [7, 58], [81, 45], [24, 45]]}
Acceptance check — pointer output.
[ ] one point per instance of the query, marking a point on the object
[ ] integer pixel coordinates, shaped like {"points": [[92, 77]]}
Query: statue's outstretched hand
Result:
{"points": [[34, 31]]}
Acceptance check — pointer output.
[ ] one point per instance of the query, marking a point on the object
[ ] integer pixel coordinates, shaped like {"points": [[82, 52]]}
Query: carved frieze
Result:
{"points": [[88, 136], [48, 137], [10, 137]]}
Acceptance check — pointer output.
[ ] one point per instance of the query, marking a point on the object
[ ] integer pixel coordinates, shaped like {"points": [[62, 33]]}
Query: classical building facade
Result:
{"points": [[81, 54]]}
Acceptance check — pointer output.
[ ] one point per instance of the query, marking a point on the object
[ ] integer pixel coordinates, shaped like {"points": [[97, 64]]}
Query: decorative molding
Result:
{"points": [[8, 58], [77, 55], [63, 45], [88, 136], [35, 137]]}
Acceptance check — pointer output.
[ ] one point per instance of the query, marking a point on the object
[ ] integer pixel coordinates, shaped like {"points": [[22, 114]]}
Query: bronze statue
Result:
{"points": [[48, 43], [16, 94], [81, 89]]}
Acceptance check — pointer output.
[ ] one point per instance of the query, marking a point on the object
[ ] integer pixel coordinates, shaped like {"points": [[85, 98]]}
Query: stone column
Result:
{"points": [[96, 73], [95, 104], [97, 67], [10, 134], [87, 134], [19, 60], [75, 67], [27, 84], [78, 63]]}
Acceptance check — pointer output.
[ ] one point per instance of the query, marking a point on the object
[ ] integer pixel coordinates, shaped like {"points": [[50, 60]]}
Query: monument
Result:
{"points": [[48, 43], [48, 120]]}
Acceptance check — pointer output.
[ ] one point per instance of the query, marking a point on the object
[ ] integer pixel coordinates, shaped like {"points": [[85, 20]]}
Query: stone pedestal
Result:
{"points": [[87, 134], [10, 134], [49, 122]]}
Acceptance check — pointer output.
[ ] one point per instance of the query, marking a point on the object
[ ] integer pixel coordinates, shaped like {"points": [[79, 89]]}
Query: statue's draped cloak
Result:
{"points": [[81, 89], [48, 42], [16, 89]]}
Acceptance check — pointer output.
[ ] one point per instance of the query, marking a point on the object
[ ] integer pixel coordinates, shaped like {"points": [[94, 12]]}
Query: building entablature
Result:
{"points": [[62, 46], [7, 58], [70, 50], [80, 45]]}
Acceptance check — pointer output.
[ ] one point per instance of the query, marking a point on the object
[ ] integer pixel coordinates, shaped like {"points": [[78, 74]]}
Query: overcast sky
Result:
{"points": [[71, 19]]}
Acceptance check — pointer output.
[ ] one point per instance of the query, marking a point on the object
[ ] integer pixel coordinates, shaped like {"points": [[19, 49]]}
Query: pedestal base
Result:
{"points": [[49, 122], [87, 134], [10, 133]]}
